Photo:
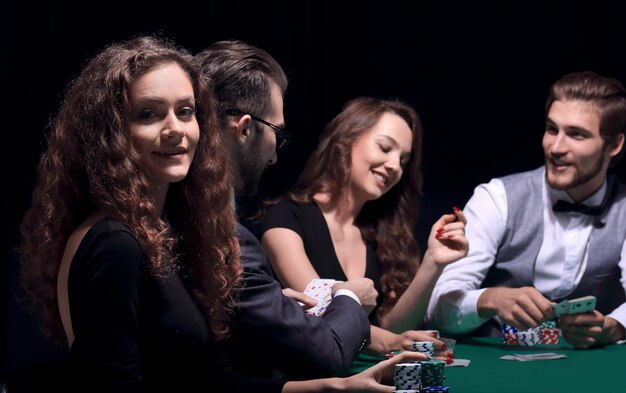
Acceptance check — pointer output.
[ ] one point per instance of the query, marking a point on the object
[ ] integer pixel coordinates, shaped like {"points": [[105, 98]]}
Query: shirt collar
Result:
{"points": [[594, 199]]}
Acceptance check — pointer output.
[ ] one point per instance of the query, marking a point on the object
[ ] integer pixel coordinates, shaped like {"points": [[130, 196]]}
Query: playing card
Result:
{"points": [[459, 363], [575, 306], [582, 304], [533, 356], [320, 290], [561, 308], [450, 342]]}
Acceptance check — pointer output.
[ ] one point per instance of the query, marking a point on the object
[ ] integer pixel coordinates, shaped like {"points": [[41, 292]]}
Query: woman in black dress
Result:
{"points": [[353, 214], [129, 252]]}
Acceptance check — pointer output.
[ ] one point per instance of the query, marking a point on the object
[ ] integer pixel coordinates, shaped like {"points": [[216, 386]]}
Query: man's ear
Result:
{"points": [[241, 128], [619, 145]]}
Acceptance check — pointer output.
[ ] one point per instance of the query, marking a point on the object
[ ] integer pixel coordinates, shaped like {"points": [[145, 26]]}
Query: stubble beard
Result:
{"points": [[250, 170], [580, 177]]}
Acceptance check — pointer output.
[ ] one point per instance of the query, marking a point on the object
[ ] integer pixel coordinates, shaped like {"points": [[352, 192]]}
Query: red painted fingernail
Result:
{"points": [[456, 209]]}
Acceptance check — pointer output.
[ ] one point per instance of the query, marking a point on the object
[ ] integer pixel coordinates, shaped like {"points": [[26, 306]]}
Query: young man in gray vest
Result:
{"points": [[527, 251]]}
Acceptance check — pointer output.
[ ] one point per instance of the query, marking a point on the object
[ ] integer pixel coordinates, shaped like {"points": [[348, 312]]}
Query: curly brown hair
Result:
{"points": [[388, 222], [90, 164]]}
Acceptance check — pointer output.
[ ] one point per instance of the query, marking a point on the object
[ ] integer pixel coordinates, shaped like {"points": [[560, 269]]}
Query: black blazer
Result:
{"points": [[271, 333]]}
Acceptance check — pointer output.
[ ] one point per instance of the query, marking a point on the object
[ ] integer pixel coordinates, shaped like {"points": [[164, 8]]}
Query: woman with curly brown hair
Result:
{"points": [[125, 255], [130, 253], [353, 214]]}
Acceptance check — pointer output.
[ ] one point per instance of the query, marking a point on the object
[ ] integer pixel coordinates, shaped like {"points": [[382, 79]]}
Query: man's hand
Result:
{"points": [[363, 288], [301, 297], [585, 330], [523, 308]]}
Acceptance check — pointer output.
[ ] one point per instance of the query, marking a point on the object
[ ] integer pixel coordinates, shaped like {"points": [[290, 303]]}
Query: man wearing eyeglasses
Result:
{"points": [[270, 332]]}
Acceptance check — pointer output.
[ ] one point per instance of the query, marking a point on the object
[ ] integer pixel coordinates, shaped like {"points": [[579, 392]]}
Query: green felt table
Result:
{"points": [[601, 369]]}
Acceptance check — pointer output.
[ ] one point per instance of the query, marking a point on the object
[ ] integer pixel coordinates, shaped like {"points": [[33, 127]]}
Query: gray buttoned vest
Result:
{"points": [[515, 260]]}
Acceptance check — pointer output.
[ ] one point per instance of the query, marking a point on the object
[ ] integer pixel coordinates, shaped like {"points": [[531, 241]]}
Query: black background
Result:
{"points": [[477, 73]]}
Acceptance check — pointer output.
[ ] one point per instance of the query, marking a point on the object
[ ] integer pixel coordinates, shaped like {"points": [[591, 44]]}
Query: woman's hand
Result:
{"points": [[447, 242], [379, 378], [404, 341], [385, 341]]}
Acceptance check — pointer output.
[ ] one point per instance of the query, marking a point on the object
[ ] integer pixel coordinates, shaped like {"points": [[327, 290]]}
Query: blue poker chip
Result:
{"points": [[508, 329], [429, 389]]}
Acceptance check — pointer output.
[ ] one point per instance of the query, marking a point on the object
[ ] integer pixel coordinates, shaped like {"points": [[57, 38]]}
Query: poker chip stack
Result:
{"points": [[549, 333], [546, 333], [427, 347], [407, 377], [548, 325], [421, 377], [527, 338], [508, 334], [433, 373]]}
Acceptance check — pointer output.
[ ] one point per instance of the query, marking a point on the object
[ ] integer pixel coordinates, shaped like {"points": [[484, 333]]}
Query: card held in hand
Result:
{"points": [[575, 306], [582, 305], [320, 289], [561, 308]]}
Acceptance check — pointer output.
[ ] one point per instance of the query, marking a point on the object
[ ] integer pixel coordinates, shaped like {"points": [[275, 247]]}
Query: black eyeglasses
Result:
{"points": [[282, 136]]}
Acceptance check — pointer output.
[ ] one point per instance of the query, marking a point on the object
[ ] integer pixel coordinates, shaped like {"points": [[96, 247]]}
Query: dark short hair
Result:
{"points": [[241, 76]]}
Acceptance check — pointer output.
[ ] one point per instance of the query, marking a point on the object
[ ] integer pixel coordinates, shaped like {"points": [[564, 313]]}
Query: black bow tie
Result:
{"points": [[564, 206]]}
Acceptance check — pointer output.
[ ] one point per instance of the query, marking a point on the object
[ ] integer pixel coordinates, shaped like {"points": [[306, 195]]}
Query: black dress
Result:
{"points": [[308, 222], [137, 333]]}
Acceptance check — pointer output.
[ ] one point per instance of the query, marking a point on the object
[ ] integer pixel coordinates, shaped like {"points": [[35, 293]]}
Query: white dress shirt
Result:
{"points": [[558, 268]]}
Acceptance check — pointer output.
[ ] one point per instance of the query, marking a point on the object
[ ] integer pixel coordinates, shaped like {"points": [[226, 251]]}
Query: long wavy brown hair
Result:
{"points": [[388, 222], [90, 164]]}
